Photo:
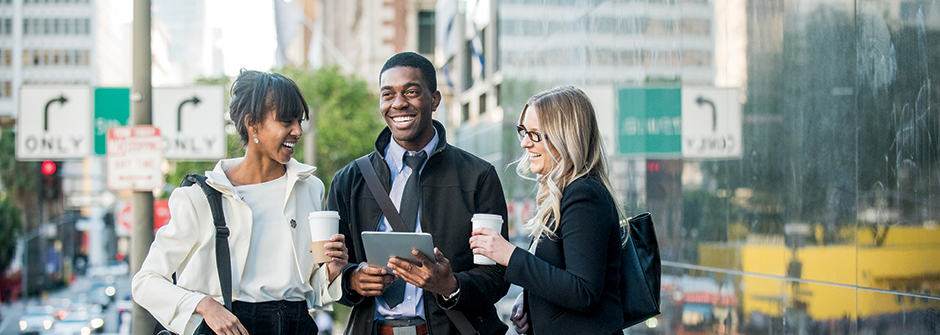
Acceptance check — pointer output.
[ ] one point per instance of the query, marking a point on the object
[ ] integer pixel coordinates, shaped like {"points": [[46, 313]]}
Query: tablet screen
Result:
{"points": [[379, 246]]}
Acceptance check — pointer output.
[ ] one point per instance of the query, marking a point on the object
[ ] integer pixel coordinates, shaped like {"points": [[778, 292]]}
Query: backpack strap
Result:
{"points": [[222, 254], [394, 219]]}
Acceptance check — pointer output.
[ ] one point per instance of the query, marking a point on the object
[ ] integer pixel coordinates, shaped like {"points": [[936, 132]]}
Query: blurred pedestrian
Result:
{"points": [[266, 197], [450, 187], [571, 272]]}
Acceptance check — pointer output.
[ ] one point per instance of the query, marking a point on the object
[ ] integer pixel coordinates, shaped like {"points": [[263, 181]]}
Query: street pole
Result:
{"points": [[141, 201]]}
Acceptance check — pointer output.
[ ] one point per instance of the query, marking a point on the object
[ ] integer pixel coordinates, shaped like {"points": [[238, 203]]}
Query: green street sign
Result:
{"points": [[650, 122], [112, 109]]}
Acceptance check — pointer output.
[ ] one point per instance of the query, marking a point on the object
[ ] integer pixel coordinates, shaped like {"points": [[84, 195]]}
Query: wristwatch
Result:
{"points": [[451, 296]]}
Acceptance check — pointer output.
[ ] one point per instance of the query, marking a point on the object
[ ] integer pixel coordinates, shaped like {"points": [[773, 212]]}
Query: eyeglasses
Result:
{"points": [[533, 136]]}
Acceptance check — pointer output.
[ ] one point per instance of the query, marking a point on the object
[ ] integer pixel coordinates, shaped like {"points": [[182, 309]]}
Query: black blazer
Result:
{"points": [[571, 283]]}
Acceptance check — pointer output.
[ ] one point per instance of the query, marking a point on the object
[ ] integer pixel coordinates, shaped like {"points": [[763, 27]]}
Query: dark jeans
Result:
{"points": [[271, 317]]}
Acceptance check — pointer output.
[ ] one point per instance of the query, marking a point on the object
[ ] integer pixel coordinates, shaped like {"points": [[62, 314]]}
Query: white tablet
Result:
{"points": [[380, 246]]}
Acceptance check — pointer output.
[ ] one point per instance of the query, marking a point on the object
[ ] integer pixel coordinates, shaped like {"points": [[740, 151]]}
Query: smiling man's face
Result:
{"points": [[406, 103]]}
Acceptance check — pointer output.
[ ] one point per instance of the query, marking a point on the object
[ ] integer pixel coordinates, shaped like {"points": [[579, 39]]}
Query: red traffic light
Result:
{"points": [[48, 167]]}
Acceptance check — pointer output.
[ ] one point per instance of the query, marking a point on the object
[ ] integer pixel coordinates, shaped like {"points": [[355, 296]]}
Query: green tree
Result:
{"points": [[19, 180], [10, 221], [345, 114]]}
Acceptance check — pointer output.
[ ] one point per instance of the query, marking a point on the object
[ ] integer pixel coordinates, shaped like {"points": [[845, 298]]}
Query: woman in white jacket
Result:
{"points": [[266, 198]]}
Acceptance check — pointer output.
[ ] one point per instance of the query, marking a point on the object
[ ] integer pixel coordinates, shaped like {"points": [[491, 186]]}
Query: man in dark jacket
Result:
{"points": [[446, 287]]}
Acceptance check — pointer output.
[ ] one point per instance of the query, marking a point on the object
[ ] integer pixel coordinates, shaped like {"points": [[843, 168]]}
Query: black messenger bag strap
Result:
{"points": [[380, 195], [222, 254], [394, 219]]}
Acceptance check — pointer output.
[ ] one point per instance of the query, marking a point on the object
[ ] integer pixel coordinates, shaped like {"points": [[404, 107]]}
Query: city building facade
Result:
{"points": [[786, 149]]}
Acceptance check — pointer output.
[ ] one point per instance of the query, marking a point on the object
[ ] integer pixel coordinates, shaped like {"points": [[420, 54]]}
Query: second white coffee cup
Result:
{"points": [[323, 225], [491, 221]]}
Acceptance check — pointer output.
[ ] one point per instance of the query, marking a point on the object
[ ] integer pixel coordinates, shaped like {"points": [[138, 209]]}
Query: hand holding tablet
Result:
{"points": [[380, 246]]}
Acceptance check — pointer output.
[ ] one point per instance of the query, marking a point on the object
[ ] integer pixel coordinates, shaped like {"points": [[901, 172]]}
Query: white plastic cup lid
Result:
{"points": [[323, 215], [485, 216]]}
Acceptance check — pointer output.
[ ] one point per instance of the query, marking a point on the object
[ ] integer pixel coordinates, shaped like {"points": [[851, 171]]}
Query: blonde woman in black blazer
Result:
{"points": [[571, 279]]}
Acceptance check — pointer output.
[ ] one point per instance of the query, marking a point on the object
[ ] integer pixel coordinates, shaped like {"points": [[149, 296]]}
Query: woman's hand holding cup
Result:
{"points": [[486, 240], [328, 245], [339, 256]]}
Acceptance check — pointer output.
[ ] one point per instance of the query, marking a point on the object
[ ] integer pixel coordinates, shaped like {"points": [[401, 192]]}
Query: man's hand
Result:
{"points": [[434, 276], [219, 319], [370, 281]]}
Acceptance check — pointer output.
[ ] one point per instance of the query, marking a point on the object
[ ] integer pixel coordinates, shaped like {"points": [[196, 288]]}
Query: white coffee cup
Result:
{"points": [[323, 225], [484, 220]]}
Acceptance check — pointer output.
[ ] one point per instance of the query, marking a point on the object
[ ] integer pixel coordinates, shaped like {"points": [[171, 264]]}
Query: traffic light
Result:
{"points": [[51, 187]]}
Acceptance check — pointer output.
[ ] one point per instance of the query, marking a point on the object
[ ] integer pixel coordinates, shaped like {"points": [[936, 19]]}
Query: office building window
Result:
{"points": [[499, 94], [426, 32], [6, 26], [482, 103], [6, 88], [57, 57], [465, 112]]}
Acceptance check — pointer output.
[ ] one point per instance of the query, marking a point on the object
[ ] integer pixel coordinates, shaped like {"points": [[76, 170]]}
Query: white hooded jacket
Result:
{"points": [[186, 246]]}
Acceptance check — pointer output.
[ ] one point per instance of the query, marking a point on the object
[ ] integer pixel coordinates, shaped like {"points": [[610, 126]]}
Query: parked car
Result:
{"points": [[37, 319]]}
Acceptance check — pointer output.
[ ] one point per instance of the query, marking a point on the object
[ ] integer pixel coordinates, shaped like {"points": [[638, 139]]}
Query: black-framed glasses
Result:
{"points": [[533, 136]]}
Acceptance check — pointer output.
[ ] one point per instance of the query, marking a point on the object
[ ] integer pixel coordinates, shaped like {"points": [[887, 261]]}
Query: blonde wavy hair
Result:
{"points": [[569, 127]]}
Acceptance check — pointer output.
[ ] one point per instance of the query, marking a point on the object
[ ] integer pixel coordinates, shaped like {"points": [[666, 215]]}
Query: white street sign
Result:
{"points": [[54, 122], [711, 122], [80, 199], [135, 155], [191, 121]]}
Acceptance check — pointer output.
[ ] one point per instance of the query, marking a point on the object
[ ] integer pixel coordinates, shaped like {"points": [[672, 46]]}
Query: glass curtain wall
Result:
{"points": [[789, 150]]}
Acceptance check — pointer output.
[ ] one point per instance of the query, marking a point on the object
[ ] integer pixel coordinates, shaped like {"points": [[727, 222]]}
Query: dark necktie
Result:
{"points": [[408, 208], [411, 195]]}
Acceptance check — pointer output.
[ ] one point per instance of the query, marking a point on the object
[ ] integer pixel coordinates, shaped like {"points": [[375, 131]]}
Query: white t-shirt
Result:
{"points": [[264, 279]]}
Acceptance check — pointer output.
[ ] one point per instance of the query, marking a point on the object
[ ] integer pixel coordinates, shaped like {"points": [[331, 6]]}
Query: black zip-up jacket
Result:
{"points": [[454, 185]]}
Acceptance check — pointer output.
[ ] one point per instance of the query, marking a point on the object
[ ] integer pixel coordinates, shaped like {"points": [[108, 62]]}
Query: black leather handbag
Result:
{"points": [[641, 271]]}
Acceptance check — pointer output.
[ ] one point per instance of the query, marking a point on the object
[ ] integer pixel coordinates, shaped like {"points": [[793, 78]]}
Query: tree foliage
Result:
{"points": [[10, 222], [19, 180]]}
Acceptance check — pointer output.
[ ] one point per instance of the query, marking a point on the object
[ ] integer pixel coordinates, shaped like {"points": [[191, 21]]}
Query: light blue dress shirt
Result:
{"points": [[412, 305]]}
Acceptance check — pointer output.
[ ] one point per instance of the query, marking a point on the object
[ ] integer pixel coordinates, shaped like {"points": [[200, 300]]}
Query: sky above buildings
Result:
{"points": [[248, 36]]}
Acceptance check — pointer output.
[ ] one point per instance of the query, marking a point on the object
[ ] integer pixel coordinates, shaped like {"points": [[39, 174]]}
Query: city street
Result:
{"points": [[80, 295]]}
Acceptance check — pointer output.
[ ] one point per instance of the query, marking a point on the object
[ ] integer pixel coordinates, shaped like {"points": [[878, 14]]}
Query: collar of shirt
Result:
{"points": [[394, 154]]}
